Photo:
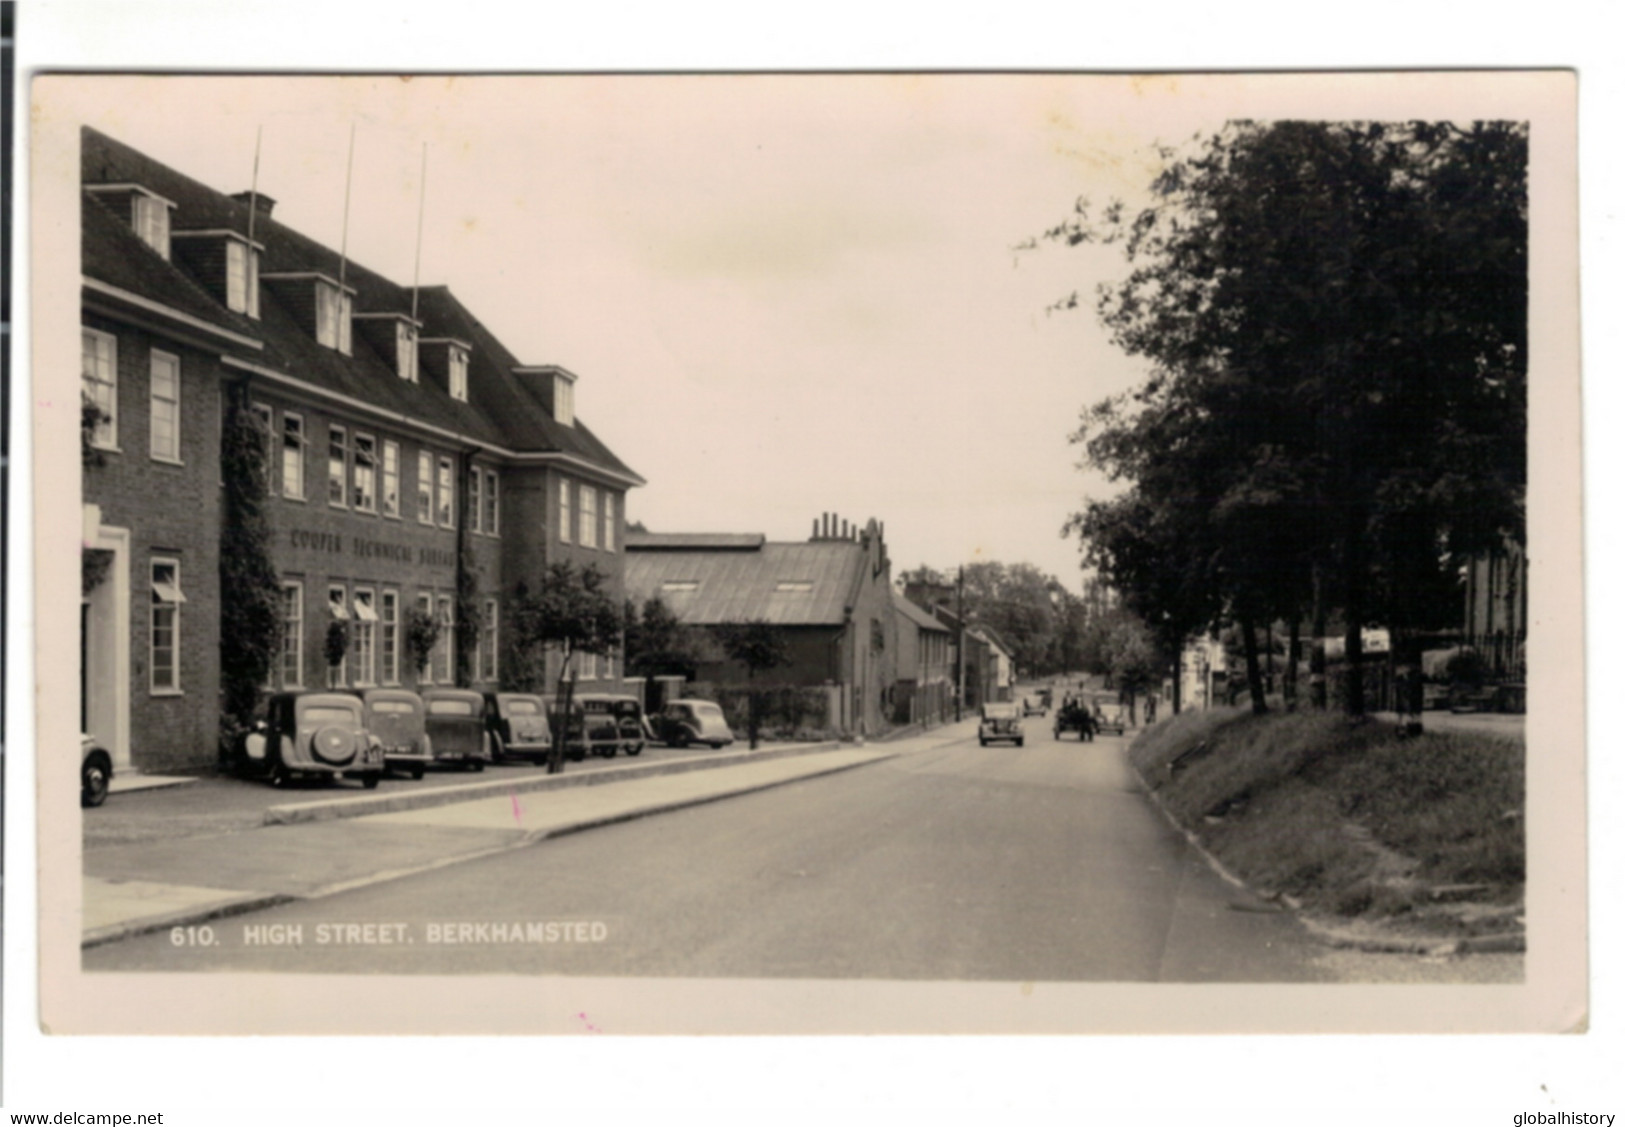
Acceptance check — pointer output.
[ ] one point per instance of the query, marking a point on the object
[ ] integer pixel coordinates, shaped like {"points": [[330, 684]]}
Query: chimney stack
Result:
{"points": [[262, 202]]}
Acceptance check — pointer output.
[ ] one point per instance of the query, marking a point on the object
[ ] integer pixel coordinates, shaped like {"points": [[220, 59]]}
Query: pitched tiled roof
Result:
{"points": [[501, 411], [784, 584], [921, 617], [115, 254]]}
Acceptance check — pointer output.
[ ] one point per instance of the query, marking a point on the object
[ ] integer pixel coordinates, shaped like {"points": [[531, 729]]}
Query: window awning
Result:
{"points": [[337, 607], [167, 590], [364, 611]]}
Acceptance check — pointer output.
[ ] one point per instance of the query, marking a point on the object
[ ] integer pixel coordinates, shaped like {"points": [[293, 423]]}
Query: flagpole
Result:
{"points": [[417, 262], [344, 237], [254, 187]]}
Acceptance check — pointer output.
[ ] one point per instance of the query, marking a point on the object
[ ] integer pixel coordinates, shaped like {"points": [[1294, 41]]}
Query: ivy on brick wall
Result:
{"points": [[250, 593]]}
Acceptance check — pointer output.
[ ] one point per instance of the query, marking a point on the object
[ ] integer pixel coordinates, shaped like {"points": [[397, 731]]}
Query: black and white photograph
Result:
{"points": [[783, 552], [903, 528]]}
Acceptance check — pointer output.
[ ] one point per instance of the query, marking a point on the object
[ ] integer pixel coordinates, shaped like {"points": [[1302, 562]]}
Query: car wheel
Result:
{"points": [[635, 749], [680, 740], [95, 777], [1021, 743], [370, 780], [417, 774], [477, 765], [982, 742]]}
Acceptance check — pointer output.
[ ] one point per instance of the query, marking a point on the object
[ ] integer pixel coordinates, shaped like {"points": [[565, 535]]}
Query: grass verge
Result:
{"points": [[1352, 821]]}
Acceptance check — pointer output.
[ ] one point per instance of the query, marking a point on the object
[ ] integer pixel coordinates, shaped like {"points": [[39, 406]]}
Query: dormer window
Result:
{"points": [[406, 351], [226, 263], [242, 278], [457, 372], [150, 215], [334, 308], [564, 399], [148, 212]]}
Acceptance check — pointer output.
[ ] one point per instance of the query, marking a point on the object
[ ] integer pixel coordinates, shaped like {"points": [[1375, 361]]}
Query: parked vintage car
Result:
{"points": [[629, 721], [684, 722], [1001, 720], [603, 735], [455, 722], [614, 723], [310, 734], [396, 718], [517, 723], [571, 736], [1031, 707], [95, 772]]}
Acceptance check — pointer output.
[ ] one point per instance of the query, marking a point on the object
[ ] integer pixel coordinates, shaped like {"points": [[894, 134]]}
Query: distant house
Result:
{"points": [[1496, 616], [925, 665], [831, 595], [1003, 664]]}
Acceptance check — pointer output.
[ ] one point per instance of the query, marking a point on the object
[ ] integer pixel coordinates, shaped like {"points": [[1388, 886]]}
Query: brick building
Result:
{"points": [[830, 595], [406, 443]]}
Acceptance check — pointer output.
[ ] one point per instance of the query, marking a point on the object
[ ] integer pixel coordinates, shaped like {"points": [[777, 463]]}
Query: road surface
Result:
{"points": [[1040, 863]]}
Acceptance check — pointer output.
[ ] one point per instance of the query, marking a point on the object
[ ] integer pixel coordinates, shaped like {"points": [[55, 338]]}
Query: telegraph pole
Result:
{"points": [[959, 617]]}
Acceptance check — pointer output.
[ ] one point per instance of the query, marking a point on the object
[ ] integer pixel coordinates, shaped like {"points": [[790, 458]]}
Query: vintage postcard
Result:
{"points": [[808, 553]]}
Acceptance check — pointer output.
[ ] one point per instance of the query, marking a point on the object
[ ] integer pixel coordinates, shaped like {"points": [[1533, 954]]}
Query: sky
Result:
{"points": [[782, 295]]}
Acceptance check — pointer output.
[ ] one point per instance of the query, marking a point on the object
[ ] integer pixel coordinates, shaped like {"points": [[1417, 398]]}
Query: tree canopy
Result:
{"points": [[1334, 315]]}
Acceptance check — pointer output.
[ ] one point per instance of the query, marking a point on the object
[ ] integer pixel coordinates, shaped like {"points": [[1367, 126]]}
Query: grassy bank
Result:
{"points": [[1352, 821]]}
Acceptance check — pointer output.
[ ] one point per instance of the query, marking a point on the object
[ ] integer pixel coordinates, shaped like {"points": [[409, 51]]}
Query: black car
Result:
{"points": [[95, 773], [310, 735]]}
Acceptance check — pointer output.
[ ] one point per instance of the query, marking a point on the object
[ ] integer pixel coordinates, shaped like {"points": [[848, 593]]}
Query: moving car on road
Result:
{"points": [[684, 722], [395, 717], [310, 734], [1110, 715], [518, 726], [95, 772], [1074, 716], [1001, 720], [455, 720]]}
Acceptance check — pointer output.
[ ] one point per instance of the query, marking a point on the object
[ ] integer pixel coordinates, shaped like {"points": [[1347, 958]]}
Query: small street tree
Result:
{"points": [[422, 634], [573, 612], [657, 642], [759, 646]]}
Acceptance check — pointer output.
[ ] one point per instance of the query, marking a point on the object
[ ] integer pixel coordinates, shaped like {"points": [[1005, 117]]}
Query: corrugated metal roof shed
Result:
{"points": [[784, 584], [700, 541]]}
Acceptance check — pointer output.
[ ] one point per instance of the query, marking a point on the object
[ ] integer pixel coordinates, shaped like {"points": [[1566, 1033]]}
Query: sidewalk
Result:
{"points": [[329, 846]]}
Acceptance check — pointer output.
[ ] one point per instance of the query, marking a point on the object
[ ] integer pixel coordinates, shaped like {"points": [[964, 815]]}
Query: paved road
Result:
{"points": [[1039, 863]]}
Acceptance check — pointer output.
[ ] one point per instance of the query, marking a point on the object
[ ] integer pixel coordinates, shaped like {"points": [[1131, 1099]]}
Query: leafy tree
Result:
{"points": [[573, 612], [1335, 318], [1019, 602], [657, 643], [250, 612], [759, 646]]}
